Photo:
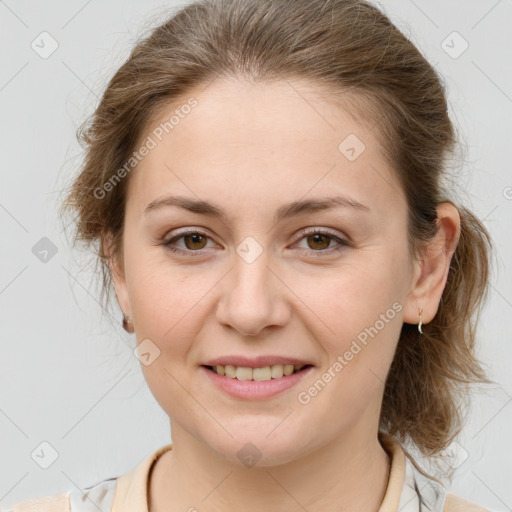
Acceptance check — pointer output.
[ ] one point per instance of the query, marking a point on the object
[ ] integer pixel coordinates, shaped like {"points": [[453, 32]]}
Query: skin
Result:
{"points": [[251, 148]]}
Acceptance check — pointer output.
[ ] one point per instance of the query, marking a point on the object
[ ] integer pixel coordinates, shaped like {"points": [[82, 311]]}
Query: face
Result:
{"points": [[326, 286]]}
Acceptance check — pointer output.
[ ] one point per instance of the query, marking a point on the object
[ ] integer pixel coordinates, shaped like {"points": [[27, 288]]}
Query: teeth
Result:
{"points": [[275, 371], [230, 371], [242, 373], [288, 369], [261, 373]]}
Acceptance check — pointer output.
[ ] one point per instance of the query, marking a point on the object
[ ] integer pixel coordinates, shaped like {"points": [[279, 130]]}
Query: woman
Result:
{"points": [[264, 182]]}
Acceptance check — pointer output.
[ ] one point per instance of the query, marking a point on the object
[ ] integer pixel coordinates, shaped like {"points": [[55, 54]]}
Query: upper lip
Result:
{"points": [[255, 362]]}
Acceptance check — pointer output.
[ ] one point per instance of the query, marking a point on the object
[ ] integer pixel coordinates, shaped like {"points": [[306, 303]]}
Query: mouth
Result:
{"points": [[261, 374]]}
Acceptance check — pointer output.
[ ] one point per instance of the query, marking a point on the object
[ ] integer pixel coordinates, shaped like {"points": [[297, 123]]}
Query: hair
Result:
{"points": [[346, 48]]}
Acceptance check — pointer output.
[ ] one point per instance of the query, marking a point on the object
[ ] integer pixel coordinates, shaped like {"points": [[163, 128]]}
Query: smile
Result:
{"points": [[260, 374], [255, 383]]}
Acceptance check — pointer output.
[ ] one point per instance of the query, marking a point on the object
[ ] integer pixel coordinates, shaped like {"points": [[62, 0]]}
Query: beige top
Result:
{"points": [[408, 490]]}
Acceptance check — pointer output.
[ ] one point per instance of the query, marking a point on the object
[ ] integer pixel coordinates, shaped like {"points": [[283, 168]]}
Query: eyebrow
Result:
{"points": [[284, 212]]}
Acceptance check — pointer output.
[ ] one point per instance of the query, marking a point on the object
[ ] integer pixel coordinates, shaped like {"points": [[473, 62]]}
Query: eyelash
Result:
{"points": [[342, 243]]}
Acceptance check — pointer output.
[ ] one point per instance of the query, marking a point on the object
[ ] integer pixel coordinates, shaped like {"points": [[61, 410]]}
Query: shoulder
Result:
{"points": [[121, 493], [456, 503], [90, 499], [56, 503]]}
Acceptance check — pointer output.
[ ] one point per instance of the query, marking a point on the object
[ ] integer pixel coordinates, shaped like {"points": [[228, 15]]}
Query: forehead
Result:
{"points": [[262, 141]]}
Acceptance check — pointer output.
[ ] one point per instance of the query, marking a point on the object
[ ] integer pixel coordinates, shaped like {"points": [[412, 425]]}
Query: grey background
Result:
{"points": [[68, 374]]}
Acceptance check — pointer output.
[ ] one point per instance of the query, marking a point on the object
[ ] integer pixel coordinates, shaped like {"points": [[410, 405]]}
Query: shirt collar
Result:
{"points": [[406, 487], [132, 488]]}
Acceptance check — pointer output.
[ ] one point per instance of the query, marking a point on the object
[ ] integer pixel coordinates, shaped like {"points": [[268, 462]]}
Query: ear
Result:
{"points": [[431, 269], [116, 266]]}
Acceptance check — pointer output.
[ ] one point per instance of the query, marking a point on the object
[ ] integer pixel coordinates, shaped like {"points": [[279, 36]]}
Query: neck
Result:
{"points": [[349, 473]]}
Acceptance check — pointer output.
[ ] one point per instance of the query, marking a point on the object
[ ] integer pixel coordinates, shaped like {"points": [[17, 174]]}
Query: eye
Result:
{"points": [[194, 241], [319, 241]]}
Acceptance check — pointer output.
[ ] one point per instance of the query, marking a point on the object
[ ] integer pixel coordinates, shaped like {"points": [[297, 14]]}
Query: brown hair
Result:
{"points": [[350, 47]]}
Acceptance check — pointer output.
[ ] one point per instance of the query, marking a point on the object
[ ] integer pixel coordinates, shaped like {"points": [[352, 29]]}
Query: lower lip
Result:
{"points": [[252, 389]]}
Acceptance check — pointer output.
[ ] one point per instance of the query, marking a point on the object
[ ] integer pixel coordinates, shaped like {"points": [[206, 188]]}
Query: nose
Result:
{"points": [[253, 298]]}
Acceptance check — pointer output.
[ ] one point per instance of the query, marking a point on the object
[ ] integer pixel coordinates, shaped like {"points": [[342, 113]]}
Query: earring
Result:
{"points": [[420, 311], [128, 324]]}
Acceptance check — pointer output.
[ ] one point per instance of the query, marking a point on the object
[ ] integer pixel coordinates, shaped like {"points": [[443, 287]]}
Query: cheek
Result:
{"points": [[168, 305], [353, 296], [360, 324], [168, 300], [357, 314]]}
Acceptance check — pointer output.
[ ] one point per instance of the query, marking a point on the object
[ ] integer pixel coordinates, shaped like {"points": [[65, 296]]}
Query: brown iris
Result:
{"points": [[196, 240], [317, 239]]}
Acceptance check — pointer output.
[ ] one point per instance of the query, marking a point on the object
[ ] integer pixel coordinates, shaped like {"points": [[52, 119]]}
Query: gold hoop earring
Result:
{"points": [[420, 311]]}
